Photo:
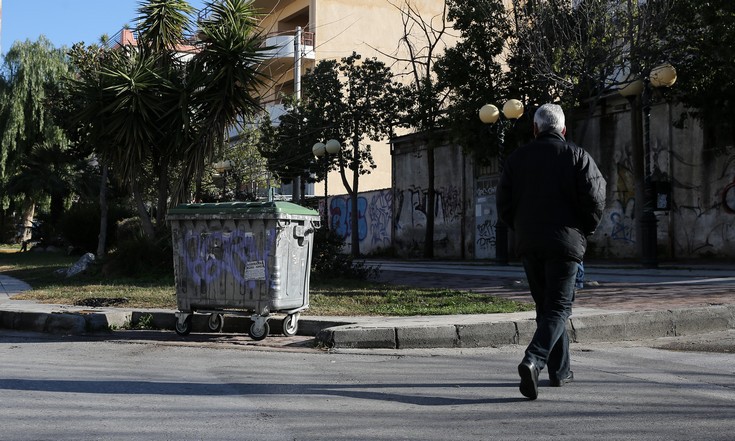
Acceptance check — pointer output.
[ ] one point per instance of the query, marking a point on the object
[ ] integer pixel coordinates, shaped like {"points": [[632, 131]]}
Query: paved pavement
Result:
{"points": [[619, 302]]}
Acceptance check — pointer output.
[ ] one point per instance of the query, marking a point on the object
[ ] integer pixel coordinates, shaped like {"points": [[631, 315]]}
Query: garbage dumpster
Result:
{"points": [[242, 258]]}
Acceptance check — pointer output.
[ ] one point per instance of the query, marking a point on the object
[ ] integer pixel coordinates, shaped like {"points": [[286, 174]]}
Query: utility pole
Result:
{"points": [[296, 183]]}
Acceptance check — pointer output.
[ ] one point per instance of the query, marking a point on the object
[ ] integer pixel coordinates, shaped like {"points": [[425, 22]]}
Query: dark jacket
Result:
{"points": [[551, 194]]}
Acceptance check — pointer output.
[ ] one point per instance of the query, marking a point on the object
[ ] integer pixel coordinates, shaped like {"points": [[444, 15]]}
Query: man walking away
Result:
{"points": [[551, 194]]}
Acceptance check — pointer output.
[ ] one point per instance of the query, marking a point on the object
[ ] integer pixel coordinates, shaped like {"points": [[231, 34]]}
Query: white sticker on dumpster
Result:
{"points": [[255, 271]]}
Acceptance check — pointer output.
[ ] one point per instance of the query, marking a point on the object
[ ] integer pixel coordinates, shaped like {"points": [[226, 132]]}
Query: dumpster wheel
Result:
{"points": [[216, 322], [183, 327], [259, 329], [291, 325]]}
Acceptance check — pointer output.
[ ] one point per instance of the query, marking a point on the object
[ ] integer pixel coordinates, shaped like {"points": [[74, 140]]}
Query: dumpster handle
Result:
{"points": [[300, 232]]}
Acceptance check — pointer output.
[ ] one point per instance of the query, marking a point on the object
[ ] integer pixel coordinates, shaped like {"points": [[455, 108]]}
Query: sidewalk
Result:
{"points": [[618, 303]]}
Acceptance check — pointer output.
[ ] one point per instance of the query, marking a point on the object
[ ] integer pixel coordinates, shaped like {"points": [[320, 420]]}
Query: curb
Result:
{"points": [[91, 321], [396, 333], [584, 328]]}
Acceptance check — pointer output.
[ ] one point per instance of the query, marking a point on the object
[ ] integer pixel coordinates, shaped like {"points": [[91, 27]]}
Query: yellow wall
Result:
{"points": [[371, 28]]}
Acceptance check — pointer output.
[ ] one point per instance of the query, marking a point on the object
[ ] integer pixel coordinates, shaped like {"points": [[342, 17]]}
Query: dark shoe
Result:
{"points": [[555, 382], [529, 380]]}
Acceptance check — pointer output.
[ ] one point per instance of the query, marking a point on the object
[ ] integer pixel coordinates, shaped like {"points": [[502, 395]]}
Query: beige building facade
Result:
{"points": [[333, 29]]}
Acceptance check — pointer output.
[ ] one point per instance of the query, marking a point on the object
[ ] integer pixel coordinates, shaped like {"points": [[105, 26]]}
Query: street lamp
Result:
{"points": [[489, 114], [223, 168], [321, 149], [638, 93]]}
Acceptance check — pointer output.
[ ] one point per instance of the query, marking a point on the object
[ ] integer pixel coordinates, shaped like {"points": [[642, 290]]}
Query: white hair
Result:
{"points": [[549, 117]]}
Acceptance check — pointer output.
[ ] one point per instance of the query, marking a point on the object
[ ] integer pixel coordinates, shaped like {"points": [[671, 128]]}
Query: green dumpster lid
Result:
{"points": [[243, 208]]}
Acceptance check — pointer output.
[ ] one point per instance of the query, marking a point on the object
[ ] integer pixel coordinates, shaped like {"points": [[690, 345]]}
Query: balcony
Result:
{"points": [[282, 45], [275, 110]]}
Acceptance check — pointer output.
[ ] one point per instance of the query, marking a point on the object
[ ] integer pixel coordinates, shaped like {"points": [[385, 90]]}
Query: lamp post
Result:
{"points": [[321, 149], [223, 168], [489, 114], [638, 93]]}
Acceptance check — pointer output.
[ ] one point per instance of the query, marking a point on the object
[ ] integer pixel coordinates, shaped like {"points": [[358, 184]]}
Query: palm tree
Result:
{"points": [[223, 79], [161, 115]]}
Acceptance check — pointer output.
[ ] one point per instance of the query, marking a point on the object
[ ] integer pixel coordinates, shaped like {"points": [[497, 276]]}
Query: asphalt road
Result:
{"points": [[154, 386]]}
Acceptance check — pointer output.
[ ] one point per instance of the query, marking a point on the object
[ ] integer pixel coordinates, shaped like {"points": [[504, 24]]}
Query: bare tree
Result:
{"points": [[577, 52], [423, 41]]}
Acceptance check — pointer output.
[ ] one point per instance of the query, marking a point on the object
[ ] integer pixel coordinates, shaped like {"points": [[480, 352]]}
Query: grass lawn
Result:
{"points": [[335, 297]]}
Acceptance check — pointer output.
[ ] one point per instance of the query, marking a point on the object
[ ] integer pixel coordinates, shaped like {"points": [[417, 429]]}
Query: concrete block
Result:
{"points": [[96, 322], [311, 327], [703, 320], [649, 324], [602, 327], [484, 335], [105, 321], [427, 337], [525, 330], [62, 323], [347, 337], [30, 321], [7, 318], [627, 326], [118, 319]]}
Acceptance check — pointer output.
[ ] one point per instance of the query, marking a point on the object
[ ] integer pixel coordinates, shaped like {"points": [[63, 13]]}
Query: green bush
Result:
{"points": [[328, 261], [80, 226], [135, 254]]}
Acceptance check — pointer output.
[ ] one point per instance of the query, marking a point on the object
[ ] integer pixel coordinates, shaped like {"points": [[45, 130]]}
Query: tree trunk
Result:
{"points": [[163, 184], [145, 218], [639, 168], [102, 238], [354, 219], [303, 190], [26, 222], [296, 189], [430, 200], [56, 210]]}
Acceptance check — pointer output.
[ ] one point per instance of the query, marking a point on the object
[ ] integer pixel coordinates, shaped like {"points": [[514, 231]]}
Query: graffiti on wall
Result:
{"points": [[621, 228], [708, 233], [411, 206], [340, 216], [410, 217], [486, 218], [373, 218], [699, 216], [210, 256], [486, 235], [712, 230], [379, 213], [621, 214]]}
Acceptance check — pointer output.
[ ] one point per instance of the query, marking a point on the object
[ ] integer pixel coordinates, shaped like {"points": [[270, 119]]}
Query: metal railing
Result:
{"points": [[124, 37]]}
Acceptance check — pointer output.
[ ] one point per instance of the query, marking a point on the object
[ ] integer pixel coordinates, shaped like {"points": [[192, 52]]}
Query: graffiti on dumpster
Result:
{"points": [[212, 255]]}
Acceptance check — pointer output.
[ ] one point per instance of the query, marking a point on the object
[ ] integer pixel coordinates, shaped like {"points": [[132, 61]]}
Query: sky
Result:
{"points": [[65, 22]]}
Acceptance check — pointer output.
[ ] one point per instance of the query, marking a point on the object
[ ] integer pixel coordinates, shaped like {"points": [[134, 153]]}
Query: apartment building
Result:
{"points": [[332, 29], [326, 29]]}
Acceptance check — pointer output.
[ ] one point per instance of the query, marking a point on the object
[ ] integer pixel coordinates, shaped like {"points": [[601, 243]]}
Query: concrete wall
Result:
{"points": [[698, 224], [453, 218], [374, 220]]}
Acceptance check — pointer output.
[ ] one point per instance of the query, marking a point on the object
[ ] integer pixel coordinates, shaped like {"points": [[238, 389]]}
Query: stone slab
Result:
{"points": [[444, 336]]}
